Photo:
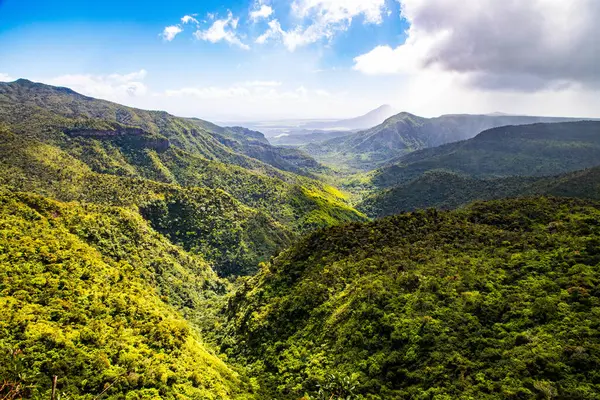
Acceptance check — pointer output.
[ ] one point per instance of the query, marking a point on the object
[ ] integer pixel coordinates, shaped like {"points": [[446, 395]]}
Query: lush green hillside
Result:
{"points": [[94, 296], [234, 234], [526, 150], [447, 190], [404, 133], [497, 301], [234, 210], [38, 110]]}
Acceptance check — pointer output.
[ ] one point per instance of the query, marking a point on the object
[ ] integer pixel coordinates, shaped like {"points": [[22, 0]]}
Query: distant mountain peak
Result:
{"points": [[365, 121], [383, 107]]}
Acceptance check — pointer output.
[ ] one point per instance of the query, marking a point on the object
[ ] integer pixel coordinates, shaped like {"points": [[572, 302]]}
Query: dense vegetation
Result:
{"points": [[115, 224], [404, 133], [94, 296], [499, 300], [447, 190], [187, 176], [527, 150], [44, 111]]}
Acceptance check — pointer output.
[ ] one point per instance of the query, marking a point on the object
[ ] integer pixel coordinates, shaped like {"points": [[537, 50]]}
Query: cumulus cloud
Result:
{"points": [[264, 11], [5, 77], [335, 11], [188, 18], [252, 91], [321, 20], [274, 31], [246, 101], [222, 30], [515, 45], [116, 87], [170, 32]]}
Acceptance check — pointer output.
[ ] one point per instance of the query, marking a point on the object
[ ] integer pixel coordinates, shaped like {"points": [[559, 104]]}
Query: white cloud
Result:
{"points": [[324, 18], [384, 60], [115, 87], [170, 32], [222, 30], [188, 18], [506, 45], [264, 11], [334, 11], [263, 83], [5, 77], [254, 91], [246, 101], [295, 38], [210, 92], [273, 32]]}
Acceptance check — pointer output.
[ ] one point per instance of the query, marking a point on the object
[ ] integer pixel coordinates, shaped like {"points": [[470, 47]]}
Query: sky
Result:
{"points": [[250, 60]]}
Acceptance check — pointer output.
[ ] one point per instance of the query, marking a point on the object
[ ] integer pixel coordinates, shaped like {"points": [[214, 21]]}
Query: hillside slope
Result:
{"points": [[447, 190], [497, 301], [526, 150], [234, 210], [233, 234], [27, 106], [405, 132], [94, 296]]}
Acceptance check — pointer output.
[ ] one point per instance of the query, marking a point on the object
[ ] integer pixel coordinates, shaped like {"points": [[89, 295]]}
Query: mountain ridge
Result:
{"points": [[406, 132], [523, 150]]}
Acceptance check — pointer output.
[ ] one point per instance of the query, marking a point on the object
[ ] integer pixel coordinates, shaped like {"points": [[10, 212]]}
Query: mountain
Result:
{"points": [[370, 119], [447, 190], [297, 133], [34, 102], [94, 296], [191, 179], [525, 150], [404, 133], [495, 301]]}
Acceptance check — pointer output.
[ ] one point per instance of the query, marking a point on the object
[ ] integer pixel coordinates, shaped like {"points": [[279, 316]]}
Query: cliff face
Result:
{"points": [[134, 137]]}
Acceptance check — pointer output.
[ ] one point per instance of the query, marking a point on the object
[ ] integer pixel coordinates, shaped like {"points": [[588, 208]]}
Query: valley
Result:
{"points": [[405, 133], [145, 255]]}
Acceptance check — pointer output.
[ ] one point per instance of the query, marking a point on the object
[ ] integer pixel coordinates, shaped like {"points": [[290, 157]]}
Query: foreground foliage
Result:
{"points": [[499, 300], [94, 296]]}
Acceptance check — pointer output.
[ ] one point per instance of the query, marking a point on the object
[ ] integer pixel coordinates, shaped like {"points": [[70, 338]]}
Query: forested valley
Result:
{"points": [[146, 256]]}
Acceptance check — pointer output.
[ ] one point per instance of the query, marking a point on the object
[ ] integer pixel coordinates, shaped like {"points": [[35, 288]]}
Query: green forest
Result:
{"points": [[148, 256], [498, 300]]}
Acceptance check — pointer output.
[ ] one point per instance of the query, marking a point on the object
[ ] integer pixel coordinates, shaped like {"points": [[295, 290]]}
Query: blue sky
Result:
{"points": [[261, 59]]}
